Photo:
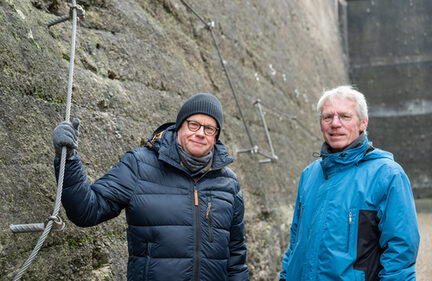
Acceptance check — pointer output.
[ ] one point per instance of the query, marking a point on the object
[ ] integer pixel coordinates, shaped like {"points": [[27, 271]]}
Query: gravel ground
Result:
{"points": [[424, 259]]}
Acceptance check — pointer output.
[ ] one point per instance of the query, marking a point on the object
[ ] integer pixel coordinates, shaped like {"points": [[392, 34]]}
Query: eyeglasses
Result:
{"points": [[208, 129], [344, 118]]}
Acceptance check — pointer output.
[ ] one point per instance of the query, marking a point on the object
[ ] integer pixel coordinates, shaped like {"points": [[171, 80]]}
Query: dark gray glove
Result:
{"points": [[66, 134]]}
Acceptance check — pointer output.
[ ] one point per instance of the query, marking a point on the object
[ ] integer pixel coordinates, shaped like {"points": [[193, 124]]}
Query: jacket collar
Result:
{"points": [[346, 158], [163, 142], [326, 149]]}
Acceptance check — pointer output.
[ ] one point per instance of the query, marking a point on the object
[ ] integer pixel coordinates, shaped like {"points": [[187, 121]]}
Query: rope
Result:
{"points": [[63, 155], [210, 26]]}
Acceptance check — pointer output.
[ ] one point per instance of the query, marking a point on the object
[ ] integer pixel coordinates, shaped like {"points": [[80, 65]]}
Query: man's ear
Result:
{"points": [[363, 124]]}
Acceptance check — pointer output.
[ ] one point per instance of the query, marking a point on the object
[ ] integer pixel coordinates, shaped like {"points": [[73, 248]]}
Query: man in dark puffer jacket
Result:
{"points": [[184, 206]]}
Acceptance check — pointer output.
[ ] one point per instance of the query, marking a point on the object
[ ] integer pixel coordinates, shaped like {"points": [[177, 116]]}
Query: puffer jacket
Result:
{"points": [[354, 220], [180, 226]]}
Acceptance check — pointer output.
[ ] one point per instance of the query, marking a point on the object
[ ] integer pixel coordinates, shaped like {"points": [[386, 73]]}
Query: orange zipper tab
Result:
{"points": [[196, 197]]}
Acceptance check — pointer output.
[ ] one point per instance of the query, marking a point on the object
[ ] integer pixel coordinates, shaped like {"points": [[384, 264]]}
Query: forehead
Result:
{"points": [[338, 104], [203, 119]]}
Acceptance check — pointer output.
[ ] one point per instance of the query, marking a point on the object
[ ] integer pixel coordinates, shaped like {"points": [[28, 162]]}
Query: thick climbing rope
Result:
{"points": [[209, 26], [53, 218]]}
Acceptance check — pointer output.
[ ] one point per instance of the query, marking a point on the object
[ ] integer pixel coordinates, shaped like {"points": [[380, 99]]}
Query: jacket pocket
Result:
{"points": [[209, 219], [147, 264], [300, 210]]}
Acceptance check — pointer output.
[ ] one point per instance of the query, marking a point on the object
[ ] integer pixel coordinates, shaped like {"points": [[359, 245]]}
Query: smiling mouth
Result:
{"points": [[199, 143]]}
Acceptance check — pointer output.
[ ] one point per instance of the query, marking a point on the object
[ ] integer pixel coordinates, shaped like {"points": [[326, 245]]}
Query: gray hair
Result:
{"points": [[346, 92]]}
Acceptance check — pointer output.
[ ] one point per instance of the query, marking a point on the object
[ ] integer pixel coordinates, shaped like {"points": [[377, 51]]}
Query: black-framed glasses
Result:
{"points": [[195, 126], [344, 118]]}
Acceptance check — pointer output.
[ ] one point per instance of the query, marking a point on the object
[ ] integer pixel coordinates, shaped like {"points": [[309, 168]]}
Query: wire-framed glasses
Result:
{"points": [[344, 118], [195, 126]]}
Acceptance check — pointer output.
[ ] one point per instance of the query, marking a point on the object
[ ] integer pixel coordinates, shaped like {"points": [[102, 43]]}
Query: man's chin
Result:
{"points": [[197, 152], [337, 146]]}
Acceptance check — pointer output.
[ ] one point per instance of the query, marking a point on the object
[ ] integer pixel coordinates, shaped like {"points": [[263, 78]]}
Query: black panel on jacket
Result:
{"points": [[368, 247]]}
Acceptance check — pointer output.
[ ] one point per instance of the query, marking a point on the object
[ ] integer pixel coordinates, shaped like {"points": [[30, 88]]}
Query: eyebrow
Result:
{"points": [[338, 113], [203, 124]]}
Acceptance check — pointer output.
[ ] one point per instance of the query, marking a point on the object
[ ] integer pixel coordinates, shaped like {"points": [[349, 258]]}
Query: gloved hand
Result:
{"points": [[66, 134]]}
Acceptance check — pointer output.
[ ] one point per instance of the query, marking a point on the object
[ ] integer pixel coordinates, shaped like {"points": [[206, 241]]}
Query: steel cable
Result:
{"points": [[63, 154], [209, 26]]}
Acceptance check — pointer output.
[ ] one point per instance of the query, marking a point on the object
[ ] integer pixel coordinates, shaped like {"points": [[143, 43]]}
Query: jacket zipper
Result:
{"points": [[196, 233], [196, 211], [209, 218], [349, 228]]}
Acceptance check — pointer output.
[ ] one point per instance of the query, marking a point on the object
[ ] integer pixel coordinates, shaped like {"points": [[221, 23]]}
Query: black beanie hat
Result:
{"points": [[201, 103]]}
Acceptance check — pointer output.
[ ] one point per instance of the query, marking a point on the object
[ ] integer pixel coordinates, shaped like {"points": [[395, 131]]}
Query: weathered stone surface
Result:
{"points": [[136, 62]]}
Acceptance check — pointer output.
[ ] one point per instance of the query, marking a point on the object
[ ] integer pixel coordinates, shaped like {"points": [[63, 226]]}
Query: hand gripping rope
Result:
{"points": [[53, 222]]}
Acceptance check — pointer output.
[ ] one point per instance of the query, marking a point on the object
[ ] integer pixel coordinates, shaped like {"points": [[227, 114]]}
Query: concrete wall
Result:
{"points": [[390, 57]]}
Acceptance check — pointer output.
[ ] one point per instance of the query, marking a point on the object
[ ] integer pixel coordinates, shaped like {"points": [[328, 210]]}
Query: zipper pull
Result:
{"points": [[208, 210], [196, 197], [349, 230]]}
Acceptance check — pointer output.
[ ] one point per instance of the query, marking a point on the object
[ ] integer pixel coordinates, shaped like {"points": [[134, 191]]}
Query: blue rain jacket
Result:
{"points": [[354, 220], [180, 226]]}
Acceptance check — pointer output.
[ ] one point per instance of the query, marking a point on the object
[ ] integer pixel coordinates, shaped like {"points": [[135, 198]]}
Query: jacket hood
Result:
{"points": [[163, 142]]}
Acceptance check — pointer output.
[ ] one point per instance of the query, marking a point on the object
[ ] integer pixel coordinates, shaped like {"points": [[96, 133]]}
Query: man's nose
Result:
{"points": [[336, 121], [200, 131]]}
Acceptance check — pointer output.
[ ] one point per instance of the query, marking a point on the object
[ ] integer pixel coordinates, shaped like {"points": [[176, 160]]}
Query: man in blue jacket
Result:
{"points": [[354, 217], [184, 206]]}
